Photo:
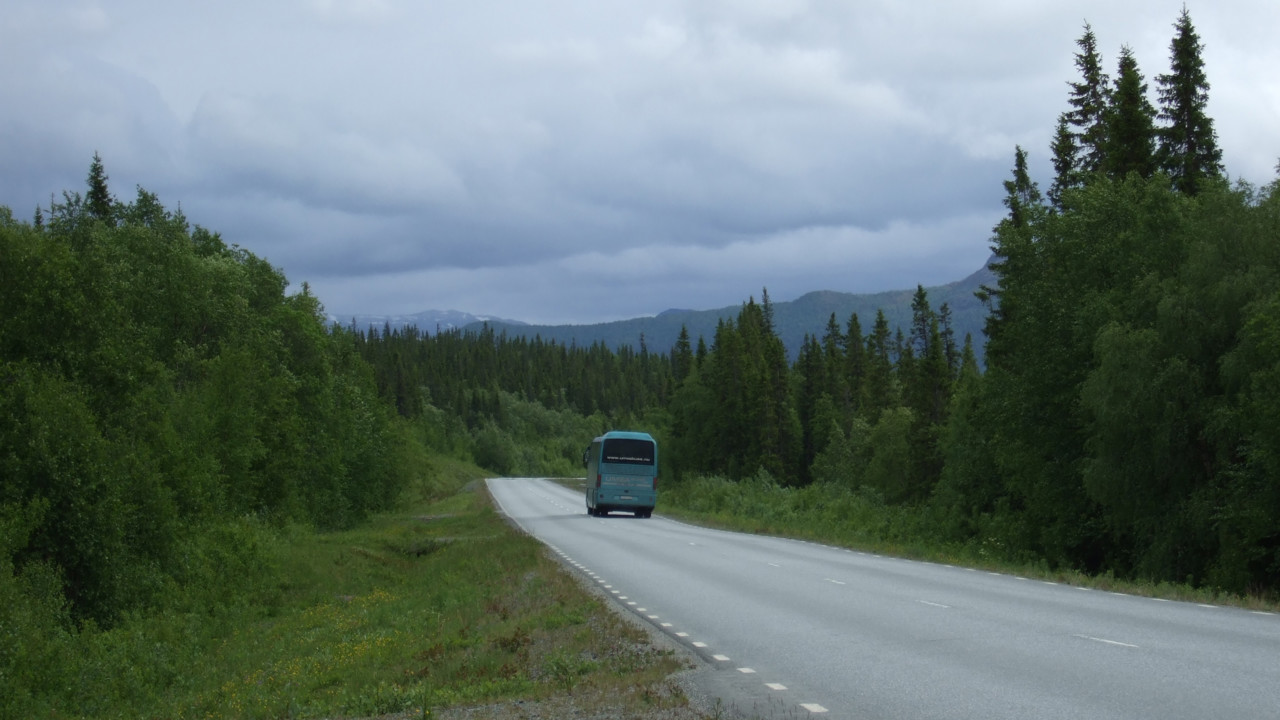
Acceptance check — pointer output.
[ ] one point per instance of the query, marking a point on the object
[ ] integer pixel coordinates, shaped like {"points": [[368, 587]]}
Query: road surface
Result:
{"points": [[796, 629]]}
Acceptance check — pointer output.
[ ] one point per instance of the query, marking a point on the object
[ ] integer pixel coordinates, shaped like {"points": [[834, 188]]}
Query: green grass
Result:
{"points": [[438, 605], [839, 517]]}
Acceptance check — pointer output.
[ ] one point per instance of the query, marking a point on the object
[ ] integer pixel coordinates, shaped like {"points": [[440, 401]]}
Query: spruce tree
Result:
{"points": [[1131, 128], [949, 347], [1089, 100], [812, 386], [855, 367], [834, 352], [682, 356], [1079, 143], [880, 387], [1013, 249], [1022, 195], [766, 306], [1188, 149], [1066, 174], [99, 198]]}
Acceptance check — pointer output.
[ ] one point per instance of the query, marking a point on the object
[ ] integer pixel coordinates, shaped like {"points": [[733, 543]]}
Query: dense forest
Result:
{"points": [[157, 387], [162, 397]]}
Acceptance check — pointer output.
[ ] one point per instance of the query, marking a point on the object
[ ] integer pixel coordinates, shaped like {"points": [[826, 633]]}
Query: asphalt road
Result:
{"points": [[797, 629]]}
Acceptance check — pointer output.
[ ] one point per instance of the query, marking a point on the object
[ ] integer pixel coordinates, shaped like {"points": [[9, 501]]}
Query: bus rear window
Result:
{"points": [[628, 452]]}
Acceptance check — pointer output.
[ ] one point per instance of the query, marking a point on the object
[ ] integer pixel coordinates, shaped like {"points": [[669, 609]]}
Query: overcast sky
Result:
{"points": [[582, 161]]}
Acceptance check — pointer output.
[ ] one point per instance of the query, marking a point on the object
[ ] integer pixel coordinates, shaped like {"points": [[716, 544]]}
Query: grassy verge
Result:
{"points": [[438, 606], [839, 517]]}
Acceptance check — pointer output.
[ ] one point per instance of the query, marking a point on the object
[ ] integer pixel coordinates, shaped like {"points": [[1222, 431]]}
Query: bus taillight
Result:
{"points": [[597, 481]]}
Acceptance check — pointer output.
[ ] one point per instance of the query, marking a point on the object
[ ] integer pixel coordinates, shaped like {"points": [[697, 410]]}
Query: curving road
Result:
{"points": [[797, 629]]}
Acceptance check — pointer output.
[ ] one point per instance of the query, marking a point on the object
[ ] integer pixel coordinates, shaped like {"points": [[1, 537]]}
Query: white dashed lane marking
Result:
{"points": [[1106, 641]]}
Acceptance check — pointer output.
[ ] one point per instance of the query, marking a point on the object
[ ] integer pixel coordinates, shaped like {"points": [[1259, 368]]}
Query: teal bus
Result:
{"points": [[622, 473]]}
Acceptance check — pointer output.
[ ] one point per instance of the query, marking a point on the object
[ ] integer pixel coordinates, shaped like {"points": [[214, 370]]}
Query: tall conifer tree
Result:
{"points": [[1089, 100], [1131, 130], [855, 366], [682, 356], [1066, 174], [1188, 149], [1079, 143], [99, 198], [881, 392], [1022, 195]]}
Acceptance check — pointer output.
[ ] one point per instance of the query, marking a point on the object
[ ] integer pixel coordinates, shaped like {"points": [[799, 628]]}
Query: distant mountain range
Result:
{"points": [[428, 321], [793, 319]]}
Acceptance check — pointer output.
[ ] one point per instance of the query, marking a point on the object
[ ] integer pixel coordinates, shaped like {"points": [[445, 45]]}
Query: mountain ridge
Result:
{"points": [[793, 319], [428, 321]]}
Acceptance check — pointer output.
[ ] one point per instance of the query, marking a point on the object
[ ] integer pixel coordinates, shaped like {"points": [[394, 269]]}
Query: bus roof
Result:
{"points": [[625, 434]]}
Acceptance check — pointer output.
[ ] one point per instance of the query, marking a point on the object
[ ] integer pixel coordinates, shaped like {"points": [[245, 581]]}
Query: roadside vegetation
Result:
{"points": [[860, 519], [438, 604]]}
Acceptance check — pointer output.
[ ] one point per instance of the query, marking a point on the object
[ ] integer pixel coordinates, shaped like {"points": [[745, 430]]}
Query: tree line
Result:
{"points": [[1127, 418]]}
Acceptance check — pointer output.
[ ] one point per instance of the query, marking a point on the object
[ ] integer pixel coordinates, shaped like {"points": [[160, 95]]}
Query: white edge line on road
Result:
{"points": [[1106, 641], [811, 707]]}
